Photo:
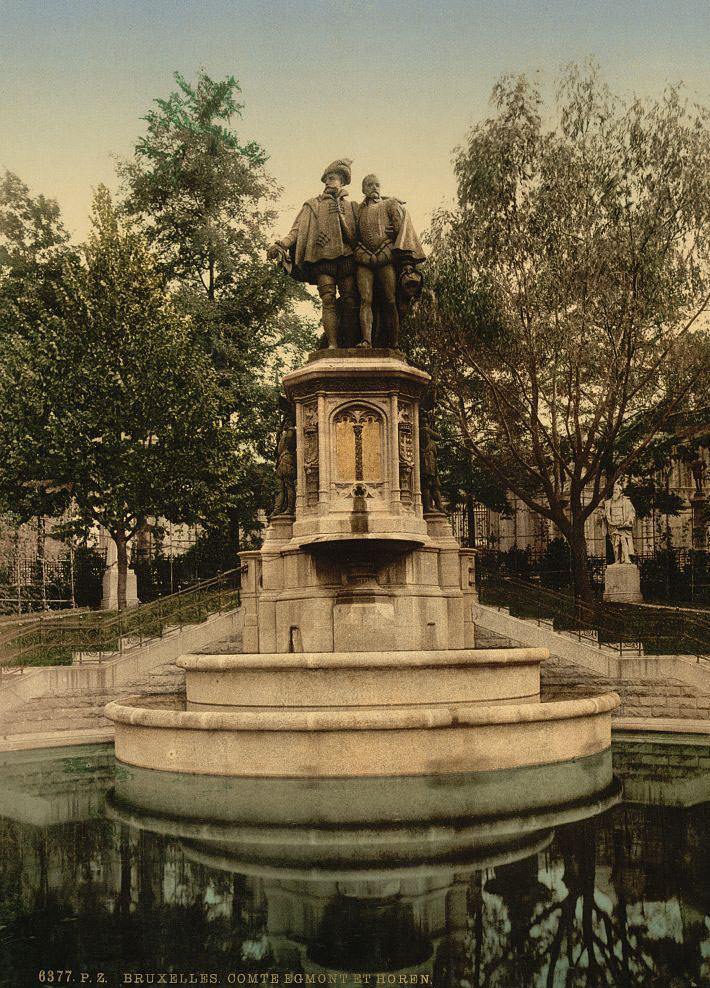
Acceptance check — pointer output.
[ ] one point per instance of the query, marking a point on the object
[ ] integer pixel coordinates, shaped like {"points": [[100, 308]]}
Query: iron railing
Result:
{"points": [[54, 641], [626, 628]]}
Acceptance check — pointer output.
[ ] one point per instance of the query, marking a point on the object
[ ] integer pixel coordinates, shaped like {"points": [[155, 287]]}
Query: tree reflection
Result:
{"points": [[617, 901], [610, 904]]}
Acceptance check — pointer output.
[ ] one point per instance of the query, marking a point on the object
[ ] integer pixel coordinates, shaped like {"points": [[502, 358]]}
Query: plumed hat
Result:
{"points": [[342, 167]]}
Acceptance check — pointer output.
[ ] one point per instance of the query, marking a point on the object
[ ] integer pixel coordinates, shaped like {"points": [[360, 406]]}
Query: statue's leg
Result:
{"points": [[365, 283], [290, 498], [326, 290], [387, 284], [618, 549], [280, 503], [349, 299], [627, 546], [426, 495]]}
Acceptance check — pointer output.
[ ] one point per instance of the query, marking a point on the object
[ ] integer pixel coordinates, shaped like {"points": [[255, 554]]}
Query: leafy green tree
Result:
{"points": [[29, 227], [569, 289], [34, 246], [110, 401], [205, 201]]}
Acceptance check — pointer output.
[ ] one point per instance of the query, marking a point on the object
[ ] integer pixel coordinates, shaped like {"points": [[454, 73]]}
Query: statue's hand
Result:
{"points": [[275, 253]]}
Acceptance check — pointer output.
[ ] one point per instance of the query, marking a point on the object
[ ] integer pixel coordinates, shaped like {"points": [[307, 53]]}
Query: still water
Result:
{"points": [[120, 876]]}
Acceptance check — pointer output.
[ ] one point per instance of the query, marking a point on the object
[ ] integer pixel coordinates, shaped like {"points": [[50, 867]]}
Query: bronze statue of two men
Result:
{"points": [[362, 257]]}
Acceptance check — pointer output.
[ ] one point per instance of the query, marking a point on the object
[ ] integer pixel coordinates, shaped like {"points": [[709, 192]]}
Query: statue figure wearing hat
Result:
{"points": [[319, 249]]}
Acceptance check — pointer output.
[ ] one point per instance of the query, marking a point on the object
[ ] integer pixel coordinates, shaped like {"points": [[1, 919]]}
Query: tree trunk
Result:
{"points": [[122, 565], [583, 585], [232, 556]]}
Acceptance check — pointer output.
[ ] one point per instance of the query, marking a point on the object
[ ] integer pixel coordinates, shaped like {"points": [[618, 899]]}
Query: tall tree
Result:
{"points": [[108, 398], [34, 245], [569, 289], [205, 201]]}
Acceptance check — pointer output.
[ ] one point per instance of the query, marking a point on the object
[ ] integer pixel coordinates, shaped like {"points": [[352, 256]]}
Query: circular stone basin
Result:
{"points": [[359, 741], [372, 551], [356, 679], [364, 828]]}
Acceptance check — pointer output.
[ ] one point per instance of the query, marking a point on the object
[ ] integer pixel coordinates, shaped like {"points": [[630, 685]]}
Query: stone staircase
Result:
{"points": [[647, 696], [50, 706], [83, 710]]}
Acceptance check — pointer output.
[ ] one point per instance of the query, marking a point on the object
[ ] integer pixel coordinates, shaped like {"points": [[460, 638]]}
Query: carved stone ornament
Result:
{"points": [[310, 452], [406, 452], [358, 444]]}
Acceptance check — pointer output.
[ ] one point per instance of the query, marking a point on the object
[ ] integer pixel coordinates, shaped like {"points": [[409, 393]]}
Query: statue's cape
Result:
{"points": [[407, 244], [304, 233]]}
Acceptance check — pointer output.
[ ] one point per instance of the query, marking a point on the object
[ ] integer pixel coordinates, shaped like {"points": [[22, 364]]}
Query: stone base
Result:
{"points": [[622, 583], [350, 741], [313, 600], [351, 679], [109, 589]]}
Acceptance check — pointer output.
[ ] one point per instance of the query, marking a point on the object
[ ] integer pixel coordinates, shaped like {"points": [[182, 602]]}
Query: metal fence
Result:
{"points": [[101, 634], [626, 628]]}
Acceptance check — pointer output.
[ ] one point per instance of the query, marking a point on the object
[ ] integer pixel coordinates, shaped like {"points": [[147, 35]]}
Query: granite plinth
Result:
{"points": [[622, 583]]}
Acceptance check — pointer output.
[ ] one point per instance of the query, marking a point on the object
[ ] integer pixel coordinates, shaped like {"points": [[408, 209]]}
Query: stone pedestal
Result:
{"points": [[109, 589], [622, 583], [358, 639]]}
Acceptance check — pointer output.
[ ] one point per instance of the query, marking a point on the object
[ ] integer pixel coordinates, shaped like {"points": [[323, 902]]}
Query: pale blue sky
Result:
{"points": [[394, 84]]}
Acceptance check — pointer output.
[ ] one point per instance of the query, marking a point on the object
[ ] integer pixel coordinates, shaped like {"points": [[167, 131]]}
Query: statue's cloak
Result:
{"points": [[301, 242], [407, 248]]}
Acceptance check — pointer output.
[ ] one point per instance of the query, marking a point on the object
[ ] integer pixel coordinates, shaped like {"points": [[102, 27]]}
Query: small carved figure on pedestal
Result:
{"points": [[319, 249], [286, 470], [431, 487], [619, 515], [698, 469], [386, 256]]}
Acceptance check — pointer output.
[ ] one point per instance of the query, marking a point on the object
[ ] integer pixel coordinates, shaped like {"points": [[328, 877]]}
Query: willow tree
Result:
{"points": [[569, 291]]}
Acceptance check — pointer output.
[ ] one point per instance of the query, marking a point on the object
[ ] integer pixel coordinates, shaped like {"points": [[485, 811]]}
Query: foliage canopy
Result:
{"points": [[569, 287]]}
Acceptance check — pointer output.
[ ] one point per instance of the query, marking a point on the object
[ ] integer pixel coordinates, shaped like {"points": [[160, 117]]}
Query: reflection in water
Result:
{"points": [[132, 872]]}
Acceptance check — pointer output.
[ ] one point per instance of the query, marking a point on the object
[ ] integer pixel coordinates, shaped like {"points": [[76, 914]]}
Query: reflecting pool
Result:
{"points": [[522, 879]]}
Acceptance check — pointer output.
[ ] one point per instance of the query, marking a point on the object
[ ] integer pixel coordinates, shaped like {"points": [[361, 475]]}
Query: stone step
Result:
{"points": [[30, 726]]}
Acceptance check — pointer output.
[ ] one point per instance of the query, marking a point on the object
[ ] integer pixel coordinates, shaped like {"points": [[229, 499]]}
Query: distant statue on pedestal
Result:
{"points": [[286, 470], [431, 486], [698, 470], [619, 515], [622, 579]]}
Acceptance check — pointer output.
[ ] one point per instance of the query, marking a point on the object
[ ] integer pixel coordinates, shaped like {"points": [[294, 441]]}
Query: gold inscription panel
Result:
{"points": [[358, 445]]}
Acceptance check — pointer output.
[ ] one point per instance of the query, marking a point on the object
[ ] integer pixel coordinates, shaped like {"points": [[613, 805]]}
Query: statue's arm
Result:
{"points": [[395, 216], [292, 236], [348, 222]]}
